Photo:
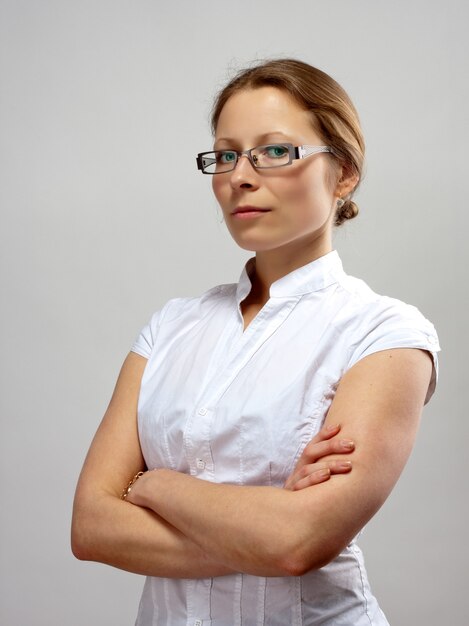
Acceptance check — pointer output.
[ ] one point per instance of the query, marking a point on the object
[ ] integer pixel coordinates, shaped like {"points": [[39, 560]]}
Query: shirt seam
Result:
{"points": [[362, 583]]}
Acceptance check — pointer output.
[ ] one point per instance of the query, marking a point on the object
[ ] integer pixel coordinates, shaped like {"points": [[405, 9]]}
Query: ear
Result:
{"points": [[346, 183]]}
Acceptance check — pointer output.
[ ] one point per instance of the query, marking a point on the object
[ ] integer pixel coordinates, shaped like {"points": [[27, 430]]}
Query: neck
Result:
{"points": [[271, 265]]}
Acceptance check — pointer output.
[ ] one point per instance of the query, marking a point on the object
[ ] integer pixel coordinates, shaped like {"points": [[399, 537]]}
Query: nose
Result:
{"points": [[244, 174]]}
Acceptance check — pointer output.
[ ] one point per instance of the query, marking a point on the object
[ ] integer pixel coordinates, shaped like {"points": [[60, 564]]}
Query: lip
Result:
{"points": [[248, 209]]}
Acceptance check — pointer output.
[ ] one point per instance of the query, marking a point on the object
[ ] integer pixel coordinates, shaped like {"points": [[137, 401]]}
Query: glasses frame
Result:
{"points": [[294, 153]]}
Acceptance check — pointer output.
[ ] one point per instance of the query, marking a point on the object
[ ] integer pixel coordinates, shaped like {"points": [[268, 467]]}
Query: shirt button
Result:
{"points": [[202, 411], [200, 463], [198, 622]]}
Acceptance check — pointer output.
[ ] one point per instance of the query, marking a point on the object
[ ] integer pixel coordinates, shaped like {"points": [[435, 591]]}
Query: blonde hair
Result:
{"points": [[332, 112]]}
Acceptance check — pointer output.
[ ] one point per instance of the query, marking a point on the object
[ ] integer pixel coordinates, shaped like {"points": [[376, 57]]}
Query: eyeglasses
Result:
{"points": [[261, 157]]}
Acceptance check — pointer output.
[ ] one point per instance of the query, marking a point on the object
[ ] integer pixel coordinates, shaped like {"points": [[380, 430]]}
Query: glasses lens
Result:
{"points": [[273, 155], [219, 161]]}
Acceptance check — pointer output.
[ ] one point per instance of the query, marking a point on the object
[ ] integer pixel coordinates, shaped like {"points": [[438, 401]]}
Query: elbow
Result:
{"points": [[298, 565], [287, 553], [295, 565], [82, 541], [90, 529], [306, 548], [78, 550], [298, 560], [78, 542]]}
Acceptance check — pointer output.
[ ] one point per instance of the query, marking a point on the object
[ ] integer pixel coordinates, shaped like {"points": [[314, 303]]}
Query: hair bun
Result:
{"points": [[347, 211]]}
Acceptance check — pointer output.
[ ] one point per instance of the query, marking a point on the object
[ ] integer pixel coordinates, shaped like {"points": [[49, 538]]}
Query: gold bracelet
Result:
{"points": [[128, 489]]}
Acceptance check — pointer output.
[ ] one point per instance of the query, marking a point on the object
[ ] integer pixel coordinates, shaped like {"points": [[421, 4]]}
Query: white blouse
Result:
{"points": [[238, 407]]}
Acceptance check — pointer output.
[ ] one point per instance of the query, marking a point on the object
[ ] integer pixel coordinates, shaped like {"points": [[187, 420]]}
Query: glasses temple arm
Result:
{"points": [[305, 151]]}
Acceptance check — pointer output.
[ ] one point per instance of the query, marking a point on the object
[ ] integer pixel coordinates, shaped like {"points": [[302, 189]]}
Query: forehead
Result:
{"points": [[253, 113]]}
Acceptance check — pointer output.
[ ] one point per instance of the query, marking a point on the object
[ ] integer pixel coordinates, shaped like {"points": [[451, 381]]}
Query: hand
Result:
{"points": [[309, 470]]}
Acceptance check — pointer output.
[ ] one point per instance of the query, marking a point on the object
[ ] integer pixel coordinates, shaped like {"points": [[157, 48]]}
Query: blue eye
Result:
{"points": [[226, 156], [276, 151]]}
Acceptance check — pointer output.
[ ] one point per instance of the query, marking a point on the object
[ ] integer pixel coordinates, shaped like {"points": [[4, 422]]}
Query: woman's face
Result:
{"points": [[299, 198]]}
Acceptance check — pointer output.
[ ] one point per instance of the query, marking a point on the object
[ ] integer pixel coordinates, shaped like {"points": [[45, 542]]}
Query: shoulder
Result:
{"points": [[180, 313], [185, 306], [374, 322], [369, 309]]}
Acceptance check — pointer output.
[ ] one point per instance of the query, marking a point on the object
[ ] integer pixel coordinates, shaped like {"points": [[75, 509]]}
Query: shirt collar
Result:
{"points": [[313, 276]]}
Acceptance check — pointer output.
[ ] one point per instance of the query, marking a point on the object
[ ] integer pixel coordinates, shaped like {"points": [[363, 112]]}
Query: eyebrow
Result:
{"points": [[259, 138]]}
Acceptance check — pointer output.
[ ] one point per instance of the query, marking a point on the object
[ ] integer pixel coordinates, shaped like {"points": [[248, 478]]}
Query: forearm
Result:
{"points": [[249, 529], [109, 530]]}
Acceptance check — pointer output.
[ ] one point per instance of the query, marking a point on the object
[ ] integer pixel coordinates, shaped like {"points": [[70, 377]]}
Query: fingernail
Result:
{"points": [[345, 464], [332, 427], [347, 444], [325, 473]]}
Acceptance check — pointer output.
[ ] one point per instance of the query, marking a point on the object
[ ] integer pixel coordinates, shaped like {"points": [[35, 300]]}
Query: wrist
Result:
{"points": [[144, 490], [126, 491]]}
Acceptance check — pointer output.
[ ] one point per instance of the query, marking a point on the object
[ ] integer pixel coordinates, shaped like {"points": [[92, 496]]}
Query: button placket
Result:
{"points": [[200, 459], [198, 432]]}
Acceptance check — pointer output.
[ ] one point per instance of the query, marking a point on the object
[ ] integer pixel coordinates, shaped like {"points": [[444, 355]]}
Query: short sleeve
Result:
{"points": [[391, 323], [145, 340]]}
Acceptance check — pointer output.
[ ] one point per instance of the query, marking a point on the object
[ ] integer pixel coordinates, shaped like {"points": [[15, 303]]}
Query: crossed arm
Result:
{"points": [[164, 530]]}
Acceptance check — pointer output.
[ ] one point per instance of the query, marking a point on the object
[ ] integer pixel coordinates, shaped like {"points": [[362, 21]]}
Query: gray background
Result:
{"points": [[103, 105]]}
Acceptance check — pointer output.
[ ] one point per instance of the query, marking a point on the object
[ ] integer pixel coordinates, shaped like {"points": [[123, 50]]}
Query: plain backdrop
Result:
{"points": [[103, 107]]}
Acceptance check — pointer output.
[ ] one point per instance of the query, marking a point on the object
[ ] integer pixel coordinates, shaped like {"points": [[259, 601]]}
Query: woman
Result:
{"points": [[249, 395]]}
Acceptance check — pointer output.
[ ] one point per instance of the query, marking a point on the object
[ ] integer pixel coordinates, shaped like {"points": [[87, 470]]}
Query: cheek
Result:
{"points": [[299, 195], [307, 201], [309, 189], [217, 187]]}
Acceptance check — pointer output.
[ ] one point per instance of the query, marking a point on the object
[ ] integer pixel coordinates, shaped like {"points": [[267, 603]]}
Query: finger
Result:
{"points": [[326, 432], [317, 472], [315, 478], [334, 466], [315, 451], [324, 444]]}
